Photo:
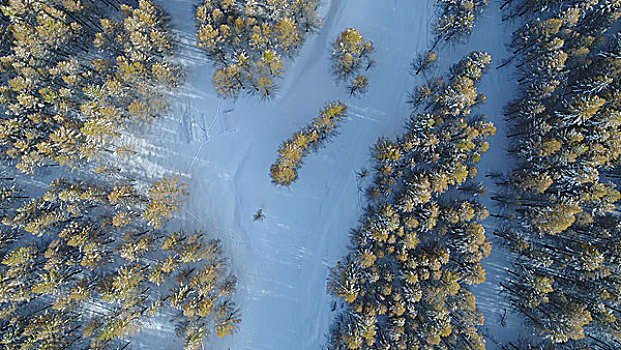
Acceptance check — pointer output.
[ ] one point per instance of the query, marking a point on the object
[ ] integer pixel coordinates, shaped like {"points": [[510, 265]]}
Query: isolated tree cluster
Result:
{"points": [[313, 136], [74, 73], [560, 205], [351, 54], [250, 40], [457, 19], [420, 241]]}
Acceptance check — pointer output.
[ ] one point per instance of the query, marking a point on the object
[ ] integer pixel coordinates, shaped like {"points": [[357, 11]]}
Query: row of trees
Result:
{"points": [[561, 202], [310, 138], [351, 53], [420, 241], [75, 73], [250, 40]]}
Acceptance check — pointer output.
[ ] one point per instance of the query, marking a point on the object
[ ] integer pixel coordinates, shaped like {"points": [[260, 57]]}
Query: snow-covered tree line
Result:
{"points": [[560, 204], [87, 261], [456, 20], [420, 241], [249, 41]]}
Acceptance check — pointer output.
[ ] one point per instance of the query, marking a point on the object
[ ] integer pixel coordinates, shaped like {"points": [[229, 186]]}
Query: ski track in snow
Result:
{"points": [[224, 149]]}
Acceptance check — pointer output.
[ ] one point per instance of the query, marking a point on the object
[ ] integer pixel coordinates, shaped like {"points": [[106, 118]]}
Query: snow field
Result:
{"points": [[224, 148]]}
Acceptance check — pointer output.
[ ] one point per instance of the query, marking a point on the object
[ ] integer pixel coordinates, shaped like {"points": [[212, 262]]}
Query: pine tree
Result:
{"points": [[351, 53]]}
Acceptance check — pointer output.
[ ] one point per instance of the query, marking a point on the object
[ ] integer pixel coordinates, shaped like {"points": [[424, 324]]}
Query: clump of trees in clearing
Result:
{"points": [[424, 62], [291, 153], [560, 205], [420, 241], [249, 41], [351, 54], [75, 73]]}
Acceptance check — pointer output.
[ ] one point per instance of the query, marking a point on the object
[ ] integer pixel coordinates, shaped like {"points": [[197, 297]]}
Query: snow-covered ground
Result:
{"points": [[499, 85], [224, 149]]}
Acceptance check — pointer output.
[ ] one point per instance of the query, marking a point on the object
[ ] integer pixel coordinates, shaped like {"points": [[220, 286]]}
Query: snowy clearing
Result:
{"points": [[224, 148]]}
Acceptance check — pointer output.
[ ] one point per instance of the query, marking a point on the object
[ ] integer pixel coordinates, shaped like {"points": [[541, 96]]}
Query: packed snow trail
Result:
{"points": [[224, 148]]}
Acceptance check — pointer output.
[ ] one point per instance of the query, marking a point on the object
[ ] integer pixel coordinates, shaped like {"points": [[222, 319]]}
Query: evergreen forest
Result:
{"points": [[310, 174]]}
